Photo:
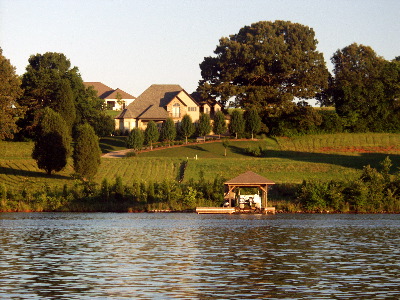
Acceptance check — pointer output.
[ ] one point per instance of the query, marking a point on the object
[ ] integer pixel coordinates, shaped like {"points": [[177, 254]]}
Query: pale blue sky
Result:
{"points": [[132, 44]]}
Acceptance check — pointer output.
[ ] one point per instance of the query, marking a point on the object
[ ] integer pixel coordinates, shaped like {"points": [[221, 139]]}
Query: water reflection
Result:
{"points": [[189, 256]]}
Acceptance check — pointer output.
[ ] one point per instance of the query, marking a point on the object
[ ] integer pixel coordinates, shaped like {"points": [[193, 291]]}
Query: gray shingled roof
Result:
{"points": [[150, 104], [249, 177]]}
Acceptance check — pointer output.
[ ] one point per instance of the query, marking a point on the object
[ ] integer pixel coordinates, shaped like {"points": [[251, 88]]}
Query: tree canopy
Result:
{"points": [[135, 139], [204, 125], [50, 81], [9, 91], [365, 88], [237, 124], [265, 64], [252, 121]]}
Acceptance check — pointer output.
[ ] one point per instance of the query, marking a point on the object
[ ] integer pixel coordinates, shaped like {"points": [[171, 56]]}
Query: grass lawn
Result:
{"points": [[285, 160]]}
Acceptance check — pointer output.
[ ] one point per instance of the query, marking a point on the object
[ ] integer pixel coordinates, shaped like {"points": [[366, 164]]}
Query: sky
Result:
{"points": [[131, 44]]}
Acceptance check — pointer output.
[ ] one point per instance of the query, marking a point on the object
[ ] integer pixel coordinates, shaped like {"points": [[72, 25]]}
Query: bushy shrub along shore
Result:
{"points": [[375, 191]]}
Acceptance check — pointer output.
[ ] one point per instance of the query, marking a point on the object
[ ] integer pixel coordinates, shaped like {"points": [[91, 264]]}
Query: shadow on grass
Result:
{"points": [[351, 161], [238, 150], [112, 143], [198, 148], [26, 173]]}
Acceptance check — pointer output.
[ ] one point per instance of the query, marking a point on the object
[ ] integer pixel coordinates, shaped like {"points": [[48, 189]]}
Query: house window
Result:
{"points": [[207, 110], [192, 108], [176, 110], [110, 105]]}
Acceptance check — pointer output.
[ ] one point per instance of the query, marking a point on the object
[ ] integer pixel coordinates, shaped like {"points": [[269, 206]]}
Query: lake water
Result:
{"points": [[189, 256]]}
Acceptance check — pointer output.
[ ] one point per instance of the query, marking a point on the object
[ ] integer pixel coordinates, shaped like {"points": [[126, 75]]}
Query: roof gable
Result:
{"points": [[249, 177], [150, 104], [105, 92]]}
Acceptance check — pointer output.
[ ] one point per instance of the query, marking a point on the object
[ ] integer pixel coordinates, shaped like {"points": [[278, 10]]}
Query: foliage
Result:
{"points": [[219, 124], [374, 191], [237, 124], [50, 81], [151, 134], [87, 152], [9, 91], [187, 127], [135, 139], [365, 89], [204, 125], [52, 145], [252, 121], [265, 64], [168, 131]]}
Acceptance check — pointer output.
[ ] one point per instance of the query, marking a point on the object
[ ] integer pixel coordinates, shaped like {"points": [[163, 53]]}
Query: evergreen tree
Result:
{"points": [[252, 121], [236, 126], [168, 131], [53, 142], [187, 127], [151, 134], [204, 125], [86, 152], [135, 139], [9, 91], [219, 125]]}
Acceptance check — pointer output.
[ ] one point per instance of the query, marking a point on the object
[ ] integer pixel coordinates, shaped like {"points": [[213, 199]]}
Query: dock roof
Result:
{"points": [[249, 178]]}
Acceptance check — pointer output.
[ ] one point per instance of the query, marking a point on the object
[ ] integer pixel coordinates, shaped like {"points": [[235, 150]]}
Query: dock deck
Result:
{"points": [[233, 210]]}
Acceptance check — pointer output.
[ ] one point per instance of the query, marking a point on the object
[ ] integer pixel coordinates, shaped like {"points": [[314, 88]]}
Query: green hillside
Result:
{"points": [[284, 160]]}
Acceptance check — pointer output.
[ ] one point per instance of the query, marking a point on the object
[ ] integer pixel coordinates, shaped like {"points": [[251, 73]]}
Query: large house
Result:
{"points": [[114, 99], [157, 103]]}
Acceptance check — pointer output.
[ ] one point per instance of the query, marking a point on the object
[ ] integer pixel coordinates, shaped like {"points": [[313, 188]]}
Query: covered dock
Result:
{"points": [[233, 202]]}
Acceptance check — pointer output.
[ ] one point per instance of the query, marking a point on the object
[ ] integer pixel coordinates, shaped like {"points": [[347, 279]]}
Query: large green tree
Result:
{"points": [[365, 88], [87, 152], [219, 124], [151, 134], [46, 84], [9, 91], [168, 131], [186, 127], [50, 81], [267, 64], [53, 141]]}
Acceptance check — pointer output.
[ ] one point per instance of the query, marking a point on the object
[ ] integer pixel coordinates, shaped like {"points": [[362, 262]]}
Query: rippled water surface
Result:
{"points": [[189, 256]]}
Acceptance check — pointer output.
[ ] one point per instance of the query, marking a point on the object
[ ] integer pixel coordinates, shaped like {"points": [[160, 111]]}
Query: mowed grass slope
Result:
{"points": [[285, 160]]}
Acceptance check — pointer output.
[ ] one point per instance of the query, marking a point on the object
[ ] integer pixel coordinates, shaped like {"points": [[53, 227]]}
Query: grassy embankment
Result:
{"points": [[284, 160]]}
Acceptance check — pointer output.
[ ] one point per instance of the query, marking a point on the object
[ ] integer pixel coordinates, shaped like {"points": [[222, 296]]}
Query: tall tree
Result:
{"points": [[151, 134], [53, 142], [265, 64], [237, 124], [9, 91], [86, 152], [168, 131], [135, 139], [50, 81], [204, 125], [187, 127], [358, 92], [252, 121], [219, 125], [44, 86]]}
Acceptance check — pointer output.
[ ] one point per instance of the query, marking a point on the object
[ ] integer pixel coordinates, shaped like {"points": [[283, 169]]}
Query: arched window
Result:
{"points": [[176, 110]]}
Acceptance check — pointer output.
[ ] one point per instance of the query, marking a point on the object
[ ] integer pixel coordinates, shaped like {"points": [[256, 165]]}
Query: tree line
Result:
{"points": [[268, 65], [240, 122]]}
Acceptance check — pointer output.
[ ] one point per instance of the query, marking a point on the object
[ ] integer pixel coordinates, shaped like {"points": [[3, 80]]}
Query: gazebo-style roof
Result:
{"points": [[249, 178]]}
